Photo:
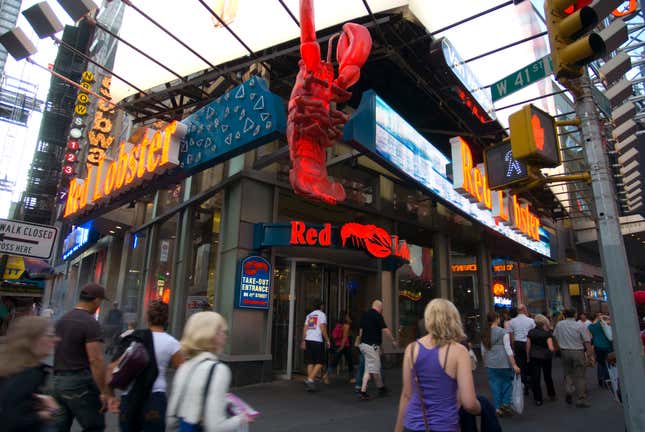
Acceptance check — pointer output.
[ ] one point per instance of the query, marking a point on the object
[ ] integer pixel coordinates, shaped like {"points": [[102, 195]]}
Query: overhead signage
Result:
{"points": [[502, 301], [386, 136], [471, 182], [370, 238], [374, 240], [476, 97], [526, 76], [242, 119], [463, 268], [155, 153], [79, 239], [98, 136], [27, 239], [254, 283], [502, 169]]}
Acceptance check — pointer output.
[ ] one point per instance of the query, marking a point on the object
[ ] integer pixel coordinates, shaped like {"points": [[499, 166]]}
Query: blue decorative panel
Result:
{"points": [[242, 119]]}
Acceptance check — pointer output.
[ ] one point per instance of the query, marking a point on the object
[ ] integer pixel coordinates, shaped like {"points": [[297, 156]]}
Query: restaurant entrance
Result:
{"points": [[296, 285]]}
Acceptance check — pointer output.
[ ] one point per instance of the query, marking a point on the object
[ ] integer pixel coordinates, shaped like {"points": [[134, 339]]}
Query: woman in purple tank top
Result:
{"points": [[437, 375]]}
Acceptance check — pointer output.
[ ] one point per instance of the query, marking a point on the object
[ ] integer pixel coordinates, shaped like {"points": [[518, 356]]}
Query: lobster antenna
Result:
{"points": [[330, 47]]}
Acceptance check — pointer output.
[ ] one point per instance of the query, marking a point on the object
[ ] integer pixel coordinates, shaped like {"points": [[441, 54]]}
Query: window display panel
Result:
{"points": [[205, 228], [415, 291]]}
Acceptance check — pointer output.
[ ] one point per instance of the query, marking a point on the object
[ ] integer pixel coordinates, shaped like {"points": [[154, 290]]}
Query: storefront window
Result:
{"points": [[205, 243], [169, 199], [208, 179], [415, 291], [160, 277], [133, 289]]}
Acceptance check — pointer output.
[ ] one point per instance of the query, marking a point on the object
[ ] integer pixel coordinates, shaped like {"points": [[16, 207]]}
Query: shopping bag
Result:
{"points": [[518, 394], [613, 378]]}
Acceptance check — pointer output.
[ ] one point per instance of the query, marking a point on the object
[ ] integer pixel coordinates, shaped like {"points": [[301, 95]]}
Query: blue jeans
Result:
{"points": [[79, 398], [501, 385], [153, 417]]}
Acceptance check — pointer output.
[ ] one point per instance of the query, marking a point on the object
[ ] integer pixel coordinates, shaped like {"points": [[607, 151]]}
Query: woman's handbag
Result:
{"points": [[418, 388], [133, 361]]}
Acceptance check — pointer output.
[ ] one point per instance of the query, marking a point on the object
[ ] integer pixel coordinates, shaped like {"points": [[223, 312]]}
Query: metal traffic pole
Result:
{"points": [[624, 320]]}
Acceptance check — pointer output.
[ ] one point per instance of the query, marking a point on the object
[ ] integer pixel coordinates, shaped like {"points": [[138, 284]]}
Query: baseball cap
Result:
{"points": [[93, 290]]}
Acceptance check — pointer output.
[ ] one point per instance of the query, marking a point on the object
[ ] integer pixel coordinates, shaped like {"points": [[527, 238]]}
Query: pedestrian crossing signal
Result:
{"points": [[533, 137]]}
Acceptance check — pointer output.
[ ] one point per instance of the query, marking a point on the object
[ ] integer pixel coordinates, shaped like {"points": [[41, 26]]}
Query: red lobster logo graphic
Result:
{"points": [[375, 240], [253, 267], [312, 124]]}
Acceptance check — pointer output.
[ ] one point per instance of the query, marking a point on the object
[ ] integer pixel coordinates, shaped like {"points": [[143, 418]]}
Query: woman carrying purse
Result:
{"points": [[437, 375]]}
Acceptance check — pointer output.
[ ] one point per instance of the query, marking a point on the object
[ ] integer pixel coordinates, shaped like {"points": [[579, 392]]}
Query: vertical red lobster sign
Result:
{"points": [[313, 124]]}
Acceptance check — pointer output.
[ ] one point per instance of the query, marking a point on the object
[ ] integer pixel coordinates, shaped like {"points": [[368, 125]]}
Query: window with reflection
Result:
{"points": [[133, 288], [415, 291], [205, 227]]}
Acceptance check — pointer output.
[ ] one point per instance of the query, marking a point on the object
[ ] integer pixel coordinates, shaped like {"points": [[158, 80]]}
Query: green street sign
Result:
{"points": [[528, 75], [601, 100]]}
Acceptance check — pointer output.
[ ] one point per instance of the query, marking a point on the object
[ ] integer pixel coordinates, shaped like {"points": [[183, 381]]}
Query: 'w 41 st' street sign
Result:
{"points": [[528, 75]]}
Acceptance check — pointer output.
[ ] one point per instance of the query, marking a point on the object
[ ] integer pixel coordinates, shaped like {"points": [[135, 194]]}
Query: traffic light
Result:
{"points": [[572, 43], [533, 137]]}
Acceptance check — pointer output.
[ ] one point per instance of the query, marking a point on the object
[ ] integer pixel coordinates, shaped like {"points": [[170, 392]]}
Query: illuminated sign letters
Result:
{"points": [[471, 182], [155, 153], [386, 137], [99, 134], [374, 240]]}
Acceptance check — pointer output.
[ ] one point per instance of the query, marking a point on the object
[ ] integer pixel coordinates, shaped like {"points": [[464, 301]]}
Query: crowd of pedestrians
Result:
{"points": [[438, 391]]}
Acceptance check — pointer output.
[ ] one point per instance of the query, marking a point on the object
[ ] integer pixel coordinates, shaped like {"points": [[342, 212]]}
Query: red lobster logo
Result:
{"points": [[375, 240], [253, 267], [312, 124]]}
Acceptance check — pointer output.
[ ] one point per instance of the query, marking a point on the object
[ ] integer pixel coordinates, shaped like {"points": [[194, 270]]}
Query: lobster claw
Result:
{"points": [[354, 46]]}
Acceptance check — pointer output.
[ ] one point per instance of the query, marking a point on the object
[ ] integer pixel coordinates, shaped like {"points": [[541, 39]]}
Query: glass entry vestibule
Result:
{"points": [[296, 284]]}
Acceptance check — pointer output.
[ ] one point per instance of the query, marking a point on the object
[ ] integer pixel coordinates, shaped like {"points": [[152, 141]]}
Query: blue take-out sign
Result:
{"points": [[254, 283]]}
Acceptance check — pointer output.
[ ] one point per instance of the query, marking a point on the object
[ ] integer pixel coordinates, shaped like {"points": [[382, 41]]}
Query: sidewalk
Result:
{"points": [[286, 407]]}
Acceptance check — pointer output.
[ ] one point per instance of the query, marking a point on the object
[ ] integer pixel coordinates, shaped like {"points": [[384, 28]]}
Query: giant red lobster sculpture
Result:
{"points": [[313, 124]]}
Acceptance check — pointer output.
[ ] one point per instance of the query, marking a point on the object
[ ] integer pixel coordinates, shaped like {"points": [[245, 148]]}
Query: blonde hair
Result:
{"points": [[16, 351], [199, 333], [541, 320], [443, 322]]}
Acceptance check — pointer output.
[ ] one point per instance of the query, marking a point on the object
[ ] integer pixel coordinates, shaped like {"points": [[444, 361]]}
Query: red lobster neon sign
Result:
{"points": [[313, 124], [374, 240]]}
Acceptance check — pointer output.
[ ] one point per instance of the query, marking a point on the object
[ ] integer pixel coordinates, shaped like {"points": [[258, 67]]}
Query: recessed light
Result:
{"points": [[112, 232], [119, 227]]}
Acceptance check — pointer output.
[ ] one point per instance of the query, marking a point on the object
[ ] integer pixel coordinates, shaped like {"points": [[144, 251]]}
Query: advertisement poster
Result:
{"points": [[254, 283]]}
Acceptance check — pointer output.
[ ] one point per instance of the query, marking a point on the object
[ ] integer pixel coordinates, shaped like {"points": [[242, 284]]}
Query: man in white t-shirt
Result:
{"points": [[313, 334], [519, 328]]}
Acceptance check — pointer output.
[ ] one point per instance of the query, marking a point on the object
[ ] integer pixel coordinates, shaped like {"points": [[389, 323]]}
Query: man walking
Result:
{"points": [[573, 339], [520, 326], [79, 367], [313, 334], [371, 333]]}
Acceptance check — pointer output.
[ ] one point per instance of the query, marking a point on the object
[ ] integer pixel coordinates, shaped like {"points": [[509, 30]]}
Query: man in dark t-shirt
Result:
{"points": [[79, 367], [371, 334]]}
